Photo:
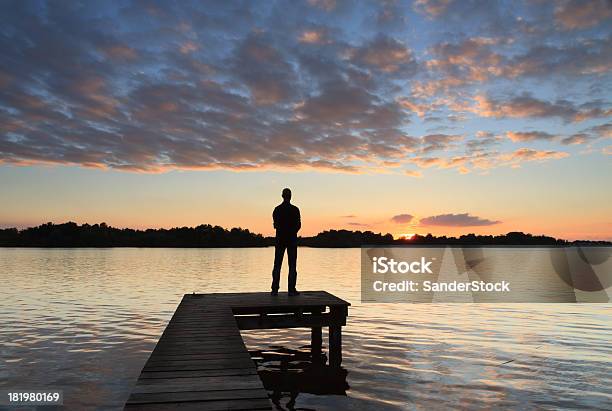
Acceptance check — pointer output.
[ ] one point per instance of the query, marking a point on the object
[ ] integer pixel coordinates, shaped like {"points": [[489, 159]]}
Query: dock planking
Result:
{"points": [[201, 362]]}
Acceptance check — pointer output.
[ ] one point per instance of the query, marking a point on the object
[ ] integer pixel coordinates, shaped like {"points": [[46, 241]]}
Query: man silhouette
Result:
{"points": [[287, 223]]}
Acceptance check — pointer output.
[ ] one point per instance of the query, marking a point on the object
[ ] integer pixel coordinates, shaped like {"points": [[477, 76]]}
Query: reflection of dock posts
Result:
{"points": [[338, 319], [316, 339]]}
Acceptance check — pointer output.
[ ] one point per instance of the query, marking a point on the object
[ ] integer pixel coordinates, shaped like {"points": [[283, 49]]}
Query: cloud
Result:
{"points": [[356, 224], [586, 136], [438, 142], [264, 69], [581, 14], [428, 162], [527, 154], [483, 159], [433, 8], [385, 54], [484, 141], [472, 60], [589, 135], [402, 218], [578, 138], [526, 106], [312, 37], [478, 60], [189, 47], [413, 173], [456, 220], [579, 58], [119, 52], [419, 109], [341, 103], [602, 130], [530, 136]]}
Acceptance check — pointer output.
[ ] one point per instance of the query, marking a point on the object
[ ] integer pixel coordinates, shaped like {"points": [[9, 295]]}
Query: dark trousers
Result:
{"points": [[279, 251]]}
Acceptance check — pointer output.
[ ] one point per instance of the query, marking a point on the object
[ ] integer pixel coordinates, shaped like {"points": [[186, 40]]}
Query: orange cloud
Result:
{"points": [[419, 109], [312, 37], [529, 136], [527, 106], [413, 173], [527, 154], [188, 47], [433, 8], [456, 220]]}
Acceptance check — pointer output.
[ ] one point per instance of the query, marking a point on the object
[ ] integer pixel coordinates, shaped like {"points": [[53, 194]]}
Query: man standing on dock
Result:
{"points": [[287, 223]]}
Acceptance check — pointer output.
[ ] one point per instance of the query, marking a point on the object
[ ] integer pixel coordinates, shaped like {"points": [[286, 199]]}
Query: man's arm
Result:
{"points": [[298, 224], [275, 218]]}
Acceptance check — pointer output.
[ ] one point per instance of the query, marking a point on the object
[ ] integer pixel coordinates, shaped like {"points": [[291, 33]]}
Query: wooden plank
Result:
{"points": [[227, 325], [161, 397], [201, 340], [223, 405], [200, 364], [263, 296], [236, 382], [193, 367], [195, 335], [286, 321], [197, 373], [203, 356], [210, 349], [168, 361], [170, 350], [198, 348], [225, 360]]}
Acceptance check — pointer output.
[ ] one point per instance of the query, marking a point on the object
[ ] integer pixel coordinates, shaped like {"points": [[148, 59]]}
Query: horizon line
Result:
{"points": [[401, 237]]}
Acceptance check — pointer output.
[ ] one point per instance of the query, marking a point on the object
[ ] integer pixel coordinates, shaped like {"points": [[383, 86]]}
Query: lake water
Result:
{"points": [[85, 321]]}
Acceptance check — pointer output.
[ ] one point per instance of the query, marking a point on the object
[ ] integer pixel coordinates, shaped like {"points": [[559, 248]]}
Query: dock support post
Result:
{"points": [[316, 341], [338, 316], [335, 345]]}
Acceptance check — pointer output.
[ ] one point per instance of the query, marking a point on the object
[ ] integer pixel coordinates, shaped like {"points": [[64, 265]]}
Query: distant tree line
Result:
{"points": [[512, 238], [346, 238], [101, 235], [205, 235]]}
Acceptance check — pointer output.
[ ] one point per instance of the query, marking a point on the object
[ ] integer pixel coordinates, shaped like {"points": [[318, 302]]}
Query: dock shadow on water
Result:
{"points": [[286, 373]]}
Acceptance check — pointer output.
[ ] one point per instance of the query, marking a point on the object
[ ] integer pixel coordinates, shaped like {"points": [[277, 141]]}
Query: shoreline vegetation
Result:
{"points": [[101, 235]]}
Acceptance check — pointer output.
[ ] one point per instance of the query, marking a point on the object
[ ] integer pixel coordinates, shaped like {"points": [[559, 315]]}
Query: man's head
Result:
{"points": [[286, 194]]}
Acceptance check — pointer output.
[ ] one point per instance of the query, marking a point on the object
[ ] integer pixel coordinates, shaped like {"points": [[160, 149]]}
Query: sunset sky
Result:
{"points": [[447, 117]]}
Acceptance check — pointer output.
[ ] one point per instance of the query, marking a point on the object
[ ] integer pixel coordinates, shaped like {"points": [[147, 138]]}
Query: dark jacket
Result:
{"points": [[287, 221]]}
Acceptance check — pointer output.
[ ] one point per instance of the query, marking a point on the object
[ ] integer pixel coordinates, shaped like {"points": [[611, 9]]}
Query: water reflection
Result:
{"points": [[286, 373]]}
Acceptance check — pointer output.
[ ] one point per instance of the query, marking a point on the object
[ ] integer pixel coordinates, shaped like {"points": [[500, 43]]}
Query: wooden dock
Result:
{"points": [[201, 362]]}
